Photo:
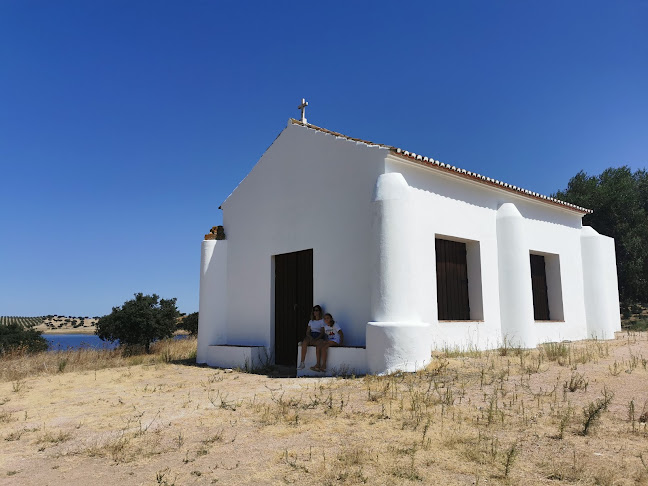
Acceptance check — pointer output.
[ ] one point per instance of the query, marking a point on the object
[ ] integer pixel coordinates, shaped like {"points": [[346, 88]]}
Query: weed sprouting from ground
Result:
{"points": [[556, 351], [577, 381], [564, 418], [592, 411], [54, 437], [162, 478], [509, 458]]}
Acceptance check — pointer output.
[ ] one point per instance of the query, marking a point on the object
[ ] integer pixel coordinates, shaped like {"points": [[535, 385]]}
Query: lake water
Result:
{"points": [[58, 342]]}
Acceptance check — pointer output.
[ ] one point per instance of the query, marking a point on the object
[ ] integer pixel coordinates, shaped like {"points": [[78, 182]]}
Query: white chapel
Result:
{"points": [[408, 254]]}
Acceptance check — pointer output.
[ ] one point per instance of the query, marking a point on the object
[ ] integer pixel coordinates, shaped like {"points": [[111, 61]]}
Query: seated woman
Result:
{"points": [[335, 338], [314, 333]]}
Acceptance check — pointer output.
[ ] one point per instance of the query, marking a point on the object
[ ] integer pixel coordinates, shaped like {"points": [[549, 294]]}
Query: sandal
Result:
{"points": [[315, 368]]}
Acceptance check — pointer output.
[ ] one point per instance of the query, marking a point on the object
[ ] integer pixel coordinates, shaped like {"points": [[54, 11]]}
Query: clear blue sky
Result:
{"points": [[124, 125]]}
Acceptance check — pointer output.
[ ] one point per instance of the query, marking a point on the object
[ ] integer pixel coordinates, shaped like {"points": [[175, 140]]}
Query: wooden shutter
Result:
{"points": [[452, 280], [539, 286]]}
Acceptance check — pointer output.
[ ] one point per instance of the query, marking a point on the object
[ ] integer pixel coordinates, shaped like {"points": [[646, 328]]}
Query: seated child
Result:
{"points": [[335, 338]]}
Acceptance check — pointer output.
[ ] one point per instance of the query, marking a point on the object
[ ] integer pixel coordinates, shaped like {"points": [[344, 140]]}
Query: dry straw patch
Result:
{"points": [[16, 366], [565, 413]]}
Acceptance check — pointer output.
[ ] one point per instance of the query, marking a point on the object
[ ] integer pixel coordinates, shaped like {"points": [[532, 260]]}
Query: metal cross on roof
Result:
{"points": [[302, 107]]}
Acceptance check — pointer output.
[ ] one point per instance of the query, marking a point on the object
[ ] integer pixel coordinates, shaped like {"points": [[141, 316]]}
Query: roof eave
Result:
{"points": [[483, 180]]}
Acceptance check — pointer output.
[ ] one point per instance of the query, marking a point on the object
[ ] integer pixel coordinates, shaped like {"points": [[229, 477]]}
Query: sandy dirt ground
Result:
{"points": [[480, 418]]}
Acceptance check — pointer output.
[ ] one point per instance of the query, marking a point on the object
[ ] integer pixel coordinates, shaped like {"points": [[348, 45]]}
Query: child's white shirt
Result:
{"points": [[333, 333]]}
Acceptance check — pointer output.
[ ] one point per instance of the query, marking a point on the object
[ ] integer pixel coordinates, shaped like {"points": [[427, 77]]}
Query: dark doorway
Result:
{"points": [[293, 302], [539, 286], [452, 280]]}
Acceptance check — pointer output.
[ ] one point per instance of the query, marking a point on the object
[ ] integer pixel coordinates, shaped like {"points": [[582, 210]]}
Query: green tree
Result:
{"points": [[15, 336], [139, 321], [190, 323], [619, 199]]}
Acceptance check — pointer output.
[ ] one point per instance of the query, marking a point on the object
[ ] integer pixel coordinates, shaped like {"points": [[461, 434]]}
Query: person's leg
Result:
{"points": [[318, 352], [304, 349], [325, 354]]}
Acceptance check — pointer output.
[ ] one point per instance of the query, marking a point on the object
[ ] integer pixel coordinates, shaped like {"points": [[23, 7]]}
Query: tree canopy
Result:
{"points": [[140, 321], [619, 198], [189, 323]]}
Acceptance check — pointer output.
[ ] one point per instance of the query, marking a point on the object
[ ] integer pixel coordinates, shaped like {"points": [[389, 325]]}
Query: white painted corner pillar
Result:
{"points": [[212, 308], [514, 269], [600, 284], [396, 339]]}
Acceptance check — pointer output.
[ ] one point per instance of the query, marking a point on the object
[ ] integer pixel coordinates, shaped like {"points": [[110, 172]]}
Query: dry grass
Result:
{"points": [[566, 413]]}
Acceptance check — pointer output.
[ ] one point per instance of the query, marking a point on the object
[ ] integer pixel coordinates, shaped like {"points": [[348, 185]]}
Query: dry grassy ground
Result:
{"points": [[563, 414]]}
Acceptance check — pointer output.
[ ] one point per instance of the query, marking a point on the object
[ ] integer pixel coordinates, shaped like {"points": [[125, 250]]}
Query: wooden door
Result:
{"points": [[539, 286], [452, 280], [293, 302]]}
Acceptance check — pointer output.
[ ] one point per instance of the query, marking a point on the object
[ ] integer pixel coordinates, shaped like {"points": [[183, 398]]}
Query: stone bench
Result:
{"points": [[232, 356], [342, 360]]}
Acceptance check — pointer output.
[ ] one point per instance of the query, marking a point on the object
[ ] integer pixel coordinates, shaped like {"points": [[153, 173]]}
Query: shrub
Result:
{"points": [[638, 325], [189, 323], [140, 321], [15, 337]]}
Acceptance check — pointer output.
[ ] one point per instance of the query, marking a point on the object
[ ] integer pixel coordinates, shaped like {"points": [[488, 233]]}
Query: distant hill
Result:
{"points": [[54, 323], [26, 322]]}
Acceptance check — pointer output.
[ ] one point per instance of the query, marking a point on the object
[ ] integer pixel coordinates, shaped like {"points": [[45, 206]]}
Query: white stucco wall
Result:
{"points": [[601, 285], [396, 339], [514, 276], [212, 312], [309, 190], [463, 210]]}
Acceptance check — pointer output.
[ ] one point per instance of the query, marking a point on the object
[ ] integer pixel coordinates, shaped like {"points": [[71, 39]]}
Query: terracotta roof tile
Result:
{"points": [[435, 164]]}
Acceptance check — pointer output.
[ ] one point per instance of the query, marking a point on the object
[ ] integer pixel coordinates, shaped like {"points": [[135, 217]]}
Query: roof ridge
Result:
{"points": [[430, 162], [337, 134]]}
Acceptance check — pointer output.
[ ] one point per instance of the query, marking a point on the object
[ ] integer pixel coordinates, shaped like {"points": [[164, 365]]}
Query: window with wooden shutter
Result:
{"points": [[452, 280]]}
